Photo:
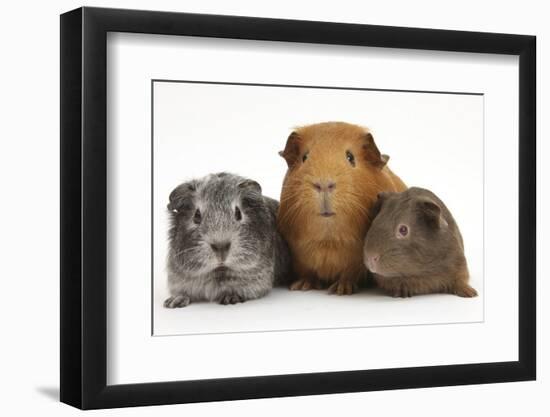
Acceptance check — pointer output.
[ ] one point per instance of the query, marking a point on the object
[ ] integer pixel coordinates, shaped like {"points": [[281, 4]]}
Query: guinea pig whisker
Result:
{"points": [[290, 214]]}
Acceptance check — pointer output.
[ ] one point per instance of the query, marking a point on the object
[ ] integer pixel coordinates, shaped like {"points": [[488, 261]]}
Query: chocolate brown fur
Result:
{"points": [[335, 172], [429, 258]]}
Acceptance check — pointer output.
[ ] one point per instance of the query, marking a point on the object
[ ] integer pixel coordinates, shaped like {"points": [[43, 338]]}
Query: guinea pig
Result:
{"points": [[335, 172], [414, 246], [223, 242]]}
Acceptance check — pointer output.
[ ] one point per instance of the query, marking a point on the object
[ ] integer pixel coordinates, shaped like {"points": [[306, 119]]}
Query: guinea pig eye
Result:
{"points": [[238, 214], [304, 158], [402, 230], [350, 158], [197, 217]]}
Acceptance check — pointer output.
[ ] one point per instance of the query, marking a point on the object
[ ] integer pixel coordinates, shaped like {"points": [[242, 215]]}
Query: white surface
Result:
{"points": [[133, 60], [284, 310], [434, 140], [29, 348]]}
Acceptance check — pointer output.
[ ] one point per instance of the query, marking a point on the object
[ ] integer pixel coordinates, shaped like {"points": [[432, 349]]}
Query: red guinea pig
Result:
{"points": [[335, 172]]}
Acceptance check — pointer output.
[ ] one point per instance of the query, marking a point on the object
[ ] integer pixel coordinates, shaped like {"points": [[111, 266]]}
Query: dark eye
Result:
{"points": [[304, 158], [238, 214], [197, 217], [350, 158], [403, 230]]}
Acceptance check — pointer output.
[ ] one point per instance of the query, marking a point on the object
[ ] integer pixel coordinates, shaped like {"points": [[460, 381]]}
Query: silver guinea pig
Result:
{"points": [[223, 242]]}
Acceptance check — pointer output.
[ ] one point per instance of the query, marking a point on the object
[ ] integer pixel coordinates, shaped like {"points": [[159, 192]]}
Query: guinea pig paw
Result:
{"points": [[177, 301], [342, 288], [304, 285], [401, 292], [465, 291], [301, 285], [230, 298]]}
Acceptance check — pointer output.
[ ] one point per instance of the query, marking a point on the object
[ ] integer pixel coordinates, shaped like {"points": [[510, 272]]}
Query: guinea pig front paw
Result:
{"points": [[177, 301], [342, 288], [401, 292], [305, 284], [230, 298]]}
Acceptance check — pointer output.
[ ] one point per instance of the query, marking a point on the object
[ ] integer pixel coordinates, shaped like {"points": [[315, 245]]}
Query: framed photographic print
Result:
{"points": [[257, 207]]}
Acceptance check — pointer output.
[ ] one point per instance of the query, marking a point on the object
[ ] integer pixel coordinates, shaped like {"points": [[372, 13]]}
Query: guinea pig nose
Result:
{"points": [[373, 259], [221, 248], [324, 186]]}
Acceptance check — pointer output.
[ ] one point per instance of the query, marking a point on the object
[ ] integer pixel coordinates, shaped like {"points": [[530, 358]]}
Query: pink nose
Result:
{"points": [[372, 260], [324, 186]]}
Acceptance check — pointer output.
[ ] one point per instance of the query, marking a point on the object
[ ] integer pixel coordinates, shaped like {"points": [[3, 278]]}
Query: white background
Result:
{"points": [[30, 183], [434, 140]]}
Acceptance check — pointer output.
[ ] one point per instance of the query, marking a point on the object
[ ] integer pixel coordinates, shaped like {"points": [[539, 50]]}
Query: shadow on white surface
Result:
{"points": [[284, 310], [49, 392]]}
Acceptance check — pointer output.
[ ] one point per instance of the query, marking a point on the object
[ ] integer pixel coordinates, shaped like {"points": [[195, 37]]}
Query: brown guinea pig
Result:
{"points": [[414, 246], [335, 172]]}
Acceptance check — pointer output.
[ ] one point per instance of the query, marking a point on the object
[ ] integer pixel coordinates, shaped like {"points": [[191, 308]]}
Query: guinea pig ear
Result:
{"points": [[291, 153], [377, 206], [250, 185], [372, 154], [382, 195], [181, 198], [430, 212]]}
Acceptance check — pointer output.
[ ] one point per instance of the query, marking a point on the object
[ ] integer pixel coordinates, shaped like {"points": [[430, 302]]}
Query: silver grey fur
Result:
{"points": [[214, 256]]}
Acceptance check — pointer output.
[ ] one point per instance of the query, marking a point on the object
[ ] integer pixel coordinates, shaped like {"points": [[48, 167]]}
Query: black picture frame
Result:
{"points": [[83, 207]]}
